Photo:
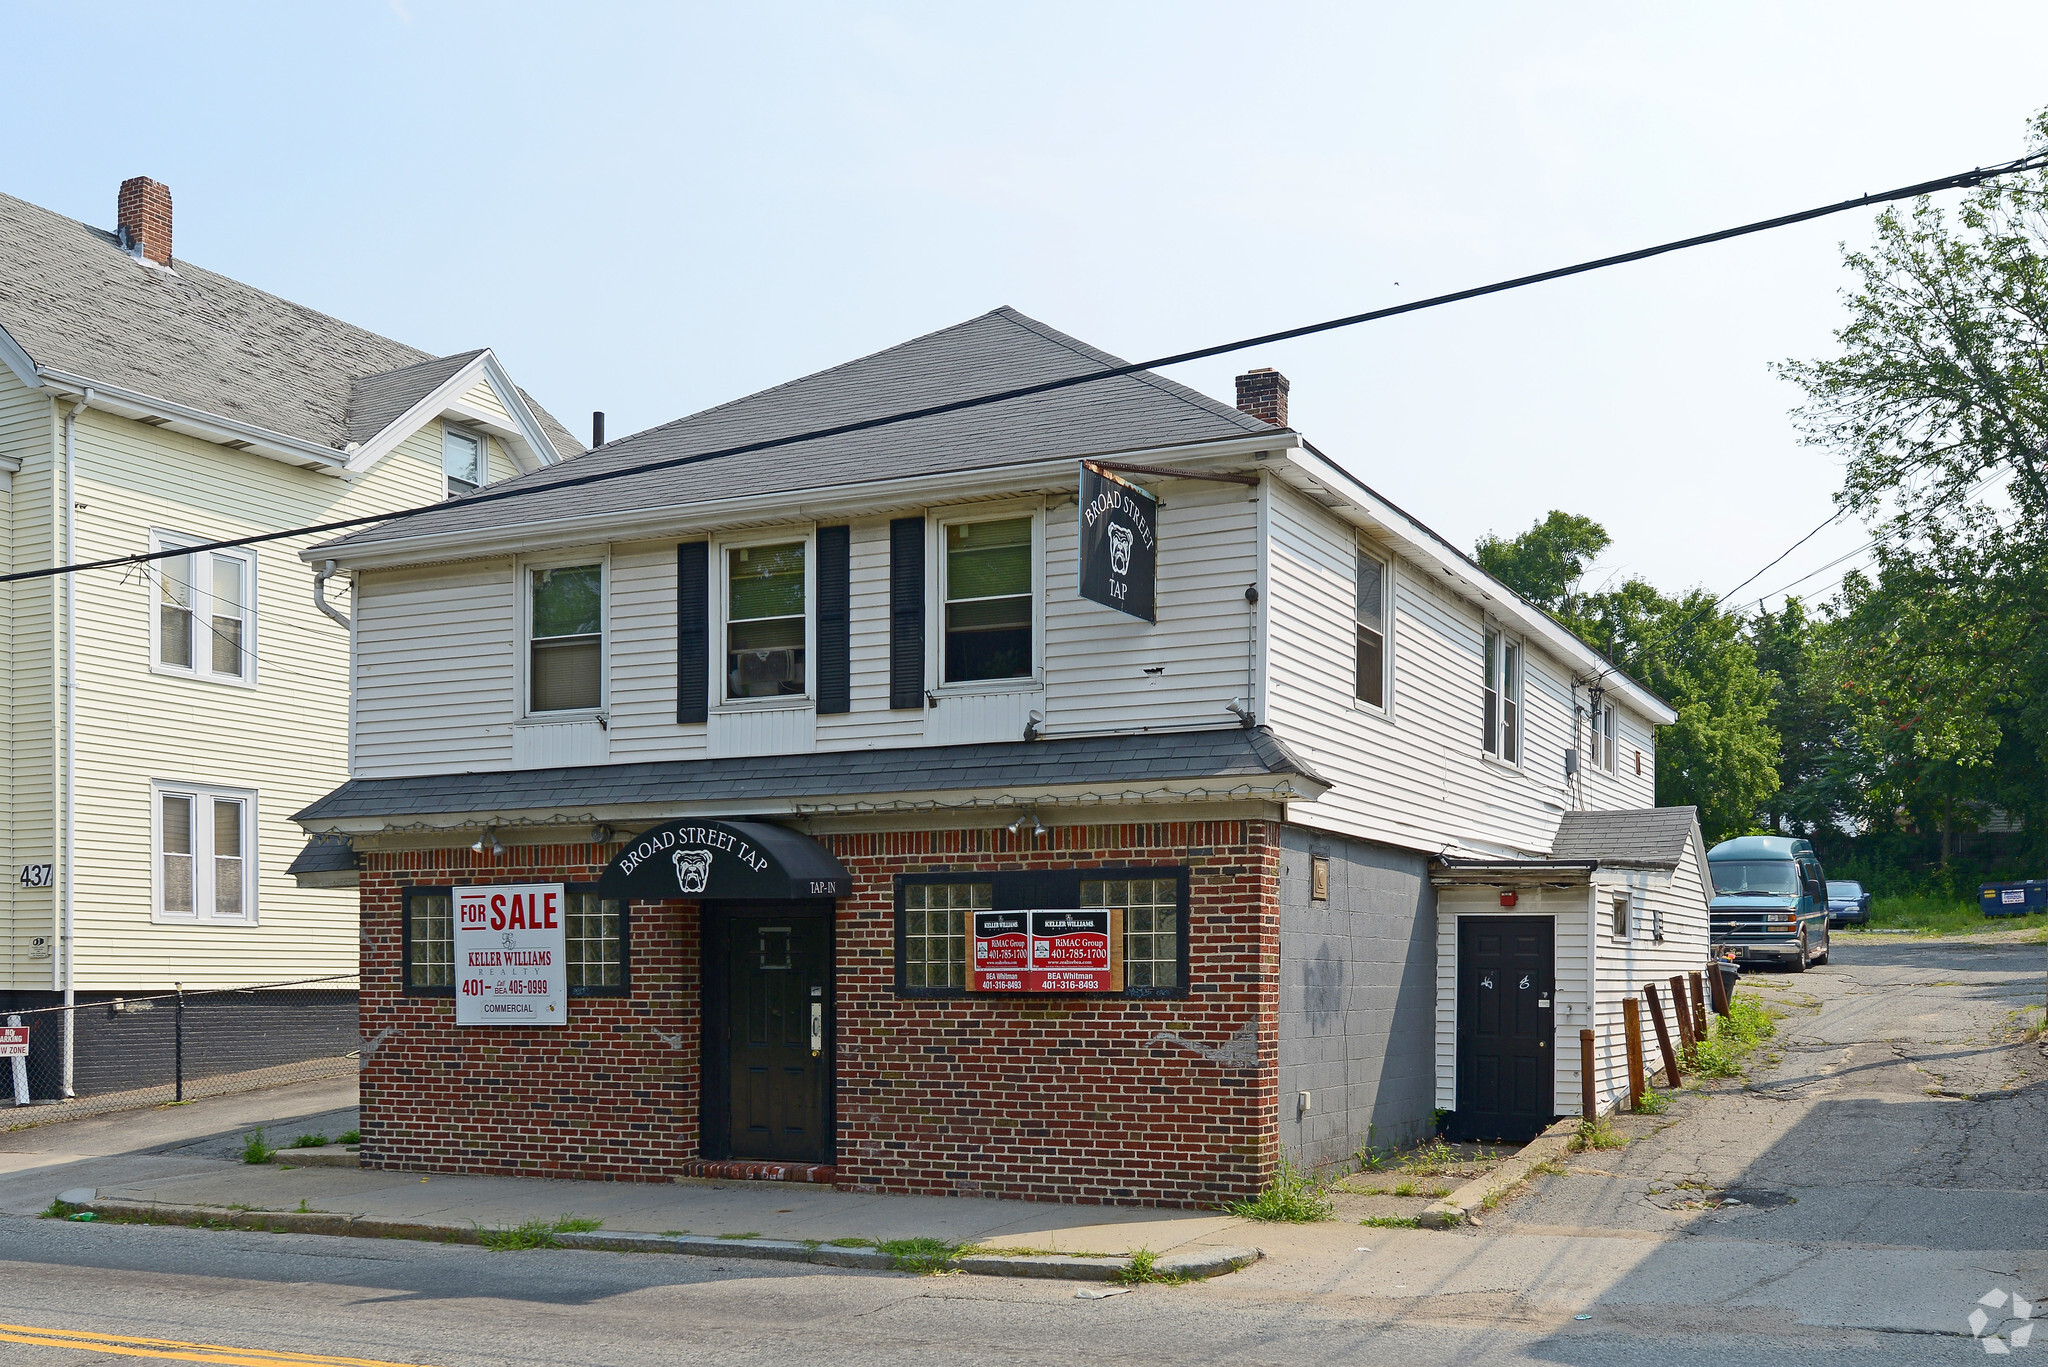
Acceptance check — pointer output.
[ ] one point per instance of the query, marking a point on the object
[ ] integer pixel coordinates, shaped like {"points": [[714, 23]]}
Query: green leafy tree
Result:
{"points": [[1544, 563]]}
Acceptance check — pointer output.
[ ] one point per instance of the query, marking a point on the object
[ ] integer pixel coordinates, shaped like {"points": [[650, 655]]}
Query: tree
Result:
{"points": [[1721, 754], [1543, 563]]}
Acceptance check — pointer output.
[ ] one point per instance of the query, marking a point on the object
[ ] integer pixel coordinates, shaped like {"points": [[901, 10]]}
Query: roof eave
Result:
{"points": [[194, 422], [837, 500], [524, 436]]}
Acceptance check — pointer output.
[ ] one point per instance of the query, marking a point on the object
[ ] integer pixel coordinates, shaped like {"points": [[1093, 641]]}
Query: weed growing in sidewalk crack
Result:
{"points": [[1597, 1133], [350, 1137], [535, 1233], [309, 1141], [750, 1234], [1652, 1102], [1292, 1197], [926, 1255], [1392, 1221], [255, 1149]]}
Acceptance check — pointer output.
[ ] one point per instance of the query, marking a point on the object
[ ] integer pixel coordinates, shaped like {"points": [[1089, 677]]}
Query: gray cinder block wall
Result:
{"points": [[1357, 998]]}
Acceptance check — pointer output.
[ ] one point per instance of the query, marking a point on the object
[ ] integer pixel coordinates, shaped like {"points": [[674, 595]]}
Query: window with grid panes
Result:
{"points": [[595, 932], [429, 939], [935, 931], [1151, 908]]}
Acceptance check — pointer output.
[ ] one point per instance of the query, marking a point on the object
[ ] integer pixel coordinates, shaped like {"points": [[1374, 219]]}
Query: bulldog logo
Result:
{"points": [[1120, 538], [693, 869]]}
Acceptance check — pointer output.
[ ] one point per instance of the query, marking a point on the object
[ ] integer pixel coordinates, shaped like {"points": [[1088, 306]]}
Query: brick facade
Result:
{"points": [[1059, 1099]]}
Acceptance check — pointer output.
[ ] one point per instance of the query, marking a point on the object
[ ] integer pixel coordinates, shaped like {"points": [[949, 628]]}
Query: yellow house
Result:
{"points": [[164, 721]]}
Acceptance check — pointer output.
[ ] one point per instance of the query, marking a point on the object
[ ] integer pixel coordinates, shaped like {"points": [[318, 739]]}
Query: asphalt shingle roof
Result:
{"points": [[1123, 762], [1652, 837], [999, 350], [77, 303]]}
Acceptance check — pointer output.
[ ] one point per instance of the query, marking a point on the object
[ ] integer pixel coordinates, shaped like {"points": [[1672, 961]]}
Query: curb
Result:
{"points": [[1196, 1265], [1457, 1208]]}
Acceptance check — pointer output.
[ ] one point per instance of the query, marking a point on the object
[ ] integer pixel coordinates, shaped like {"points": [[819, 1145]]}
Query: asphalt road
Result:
{"points": [[1889, 1163]]}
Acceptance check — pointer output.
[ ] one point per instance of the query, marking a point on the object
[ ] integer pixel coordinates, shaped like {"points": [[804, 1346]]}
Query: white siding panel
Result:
{"points": [[1625, 966], [763, 731], [436, 669], [641, 649], [970, 718], [551, 745], [484, 399], [871, 724]]}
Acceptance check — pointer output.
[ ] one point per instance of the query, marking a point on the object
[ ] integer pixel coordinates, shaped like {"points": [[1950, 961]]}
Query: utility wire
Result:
{"points": [[1960, 181], [1832, 518]]}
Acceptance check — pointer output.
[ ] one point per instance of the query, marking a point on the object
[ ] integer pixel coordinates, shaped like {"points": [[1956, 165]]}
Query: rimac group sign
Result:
{"points": [[1076, 950], [1119, 543]]}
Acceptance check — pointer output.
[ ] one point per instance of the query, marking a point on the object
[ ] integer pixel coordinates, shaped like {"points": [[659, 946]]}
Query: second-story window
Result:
{"points": [[988, 600], [1603, 737], [1371, 615], [764, 621], [205, 616], [1501, 698], [462, 462], [566, 643]]}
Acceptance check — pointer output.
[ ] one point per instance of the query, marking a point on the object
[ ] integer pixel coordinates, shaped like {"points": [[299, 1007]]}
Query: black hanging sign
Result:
{"points": [[723, 860], [1119, 543]]}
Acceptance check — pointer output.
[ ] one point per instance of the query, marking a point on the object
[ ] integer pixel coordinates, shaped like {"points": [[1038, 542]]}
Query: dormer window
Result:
{"points": [[462, 462]]}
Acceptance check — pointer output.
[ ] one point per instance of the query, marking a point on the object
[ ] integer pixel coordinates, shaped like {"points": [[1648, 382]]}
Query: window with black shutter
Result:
{"points": [[693, 632], [906, 612]]}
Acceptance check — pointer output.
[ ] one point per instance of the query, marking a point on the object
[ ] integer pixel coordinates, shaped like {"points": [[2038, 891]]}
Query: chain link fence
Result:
{"points": [[129, 1053]]}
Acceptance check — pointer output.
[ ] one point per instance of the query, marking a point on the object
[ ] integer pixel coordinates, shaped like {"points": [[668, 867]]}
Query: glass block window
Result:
{"points": [[1151, 908], [935, 931], [596, 936], [429, 939]]}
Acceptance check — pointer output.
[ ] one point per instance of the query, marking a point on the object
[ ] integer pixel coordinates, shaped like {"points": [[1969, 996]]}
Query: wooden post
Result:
{"points": [[1686, 1037], [1588, 1107], [1699, 1006], [1632, 1026], [1671, 1074], [1717, 985]]}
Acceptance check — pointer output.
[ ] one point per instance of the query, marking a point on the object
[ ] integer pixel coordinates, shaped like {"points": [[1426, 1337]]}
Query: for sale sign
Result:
{"points": [[511, 955], [13, 1041], [1048, 951], [1002, 951]]}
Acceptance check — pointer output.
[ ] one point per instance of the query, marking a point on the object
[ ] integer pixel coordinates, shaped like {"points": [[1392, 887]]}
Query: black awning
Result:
{"points": [[725, 861]]}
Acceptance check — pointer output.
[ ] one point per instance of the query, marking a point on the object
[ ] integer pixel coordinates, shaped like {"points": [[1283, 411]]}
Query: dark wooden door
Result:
{"points": [[776, 1023], [1506, 987]]}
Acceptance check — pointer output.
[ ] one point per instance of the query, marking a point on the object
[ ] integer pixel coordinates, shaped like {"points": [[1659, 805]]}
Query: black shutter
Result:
{"points": [[693, 632], [906, 612], [835, 659]]}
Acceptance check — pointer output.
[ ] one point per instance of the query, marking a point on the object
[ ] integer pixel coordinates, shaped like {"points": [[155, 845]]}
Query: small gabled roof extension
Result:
{"points": [[76, 307], [999, 350], [1645, 838]]}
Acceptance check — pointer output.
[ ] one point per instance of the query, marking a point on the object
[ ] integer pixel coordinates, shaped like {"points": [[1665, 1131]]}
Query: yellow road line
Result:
{"points": [[134, 1346]]}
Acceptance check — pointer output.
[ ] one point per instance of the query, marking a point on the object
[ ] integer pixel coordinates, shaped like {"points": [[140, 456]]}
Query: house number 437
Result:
{"points": [[36, 875]]}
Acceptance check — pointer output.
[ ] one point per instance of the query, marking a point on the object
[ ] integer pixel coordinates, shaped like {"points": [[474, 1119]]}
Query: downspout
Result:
{"points": [[67, 934], [320, 595]]}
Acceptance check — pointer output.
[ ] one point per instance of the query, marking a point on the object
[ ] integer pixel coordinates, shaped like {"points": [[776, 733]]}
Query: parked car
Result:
{"points": [[1848, 903], [1770, 901]]}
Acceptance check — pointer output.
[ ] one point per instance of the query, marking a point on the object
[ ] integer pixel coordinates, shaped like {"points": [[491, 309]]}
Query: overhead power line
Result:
{"points": [[1960, 181]]}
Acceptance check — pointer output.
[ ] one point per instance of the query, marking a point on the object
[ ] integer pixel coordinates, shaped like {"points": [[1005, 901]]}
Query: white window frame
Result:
{"points": [[202, 795], [1624, 901], [524, 662], [1387, 562], [1502, 642], [1601, 733], [451, 432], [935, 585], [202, 611], [721, 608]]}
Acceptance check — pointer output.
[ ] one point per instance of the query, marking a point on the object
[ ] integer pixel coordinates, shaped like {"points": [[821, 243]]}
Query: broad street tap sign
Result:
{"points": [[1079, 950], [511, 955]]}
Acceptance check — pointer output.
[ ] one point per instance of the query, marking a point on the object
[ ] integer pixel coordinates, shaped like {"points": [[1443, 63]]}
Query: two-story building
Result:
{"points": [[164, 721], [1044, 798]]}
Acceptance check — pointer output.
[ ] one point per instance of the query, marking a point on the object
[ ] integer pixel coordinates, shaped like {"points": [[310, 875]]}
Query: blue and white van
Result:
{"points": [[1770, 901]]}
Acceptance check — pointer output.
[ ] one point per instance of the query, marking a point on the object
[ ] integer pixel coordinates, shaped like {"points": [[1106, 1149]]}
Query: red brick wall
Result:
{"points": [[1044, 1099]]}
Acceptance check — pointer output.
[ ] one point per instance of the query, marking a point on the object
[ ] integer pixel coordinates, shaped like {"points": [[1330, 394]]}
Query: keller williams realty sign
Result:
{"points": [[1048, 951], [511, 955]]}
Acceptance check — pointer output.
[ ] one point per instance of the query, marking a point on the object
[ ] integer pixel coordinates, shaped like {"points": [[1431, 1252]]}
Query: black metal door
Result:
{"points": [[1506, 981], [769, 1032]]}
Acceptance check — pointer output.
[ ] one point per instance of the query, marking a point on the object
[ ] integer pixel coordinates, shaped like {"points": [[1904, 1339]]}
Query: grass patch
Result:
{"points": [[1597, 1133], [59, 1210], [1404, 1189], [350, 1137], [1392, 1222], [256, 1149], [535, 1233], [1934, 914], [1292, 1197], [1731, 1039], [924, 1254], [851, 1243], [1431, 1158], [750, 1234], [1652, 1102], [1549, 1167], [308, 1141]]}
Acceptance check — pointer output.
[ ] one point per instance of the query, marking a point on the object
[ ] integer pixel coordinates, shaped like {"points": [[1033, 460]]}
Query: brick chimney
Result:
{"points": [[145, 218], [1263, 394]]}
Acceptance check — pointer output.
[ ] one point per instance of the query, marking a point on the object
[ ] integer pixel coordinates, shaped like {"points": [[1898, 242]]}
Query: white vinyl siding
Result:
{"points": [[437, 668]]}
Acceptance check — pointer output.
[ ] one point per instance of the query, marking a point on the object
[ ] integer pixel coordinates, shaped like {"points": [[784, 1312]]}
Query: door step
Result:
{"points": [[758, 1170]]}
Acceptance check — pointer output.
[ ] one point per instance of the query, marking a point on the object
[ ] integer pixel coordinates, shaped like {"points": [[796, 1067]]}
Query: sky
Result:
{"points": [[652, 209]]}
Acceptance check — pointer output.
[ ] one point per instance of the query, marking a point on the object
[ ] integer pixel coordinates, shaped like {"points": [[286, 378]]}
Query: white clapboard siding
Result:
{"points": [[436, 669], [28, 433], [285, 738], [1566, 908], [1626, 965], [640, 649], [1413, 774], [871, 723]]}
